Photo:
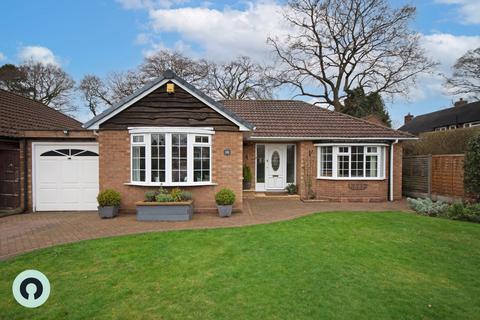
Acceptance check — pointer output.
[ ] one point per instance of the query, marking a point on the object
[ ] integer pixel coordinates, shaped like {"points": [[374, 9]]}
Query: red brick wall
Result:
{"points": [[114, 147]]}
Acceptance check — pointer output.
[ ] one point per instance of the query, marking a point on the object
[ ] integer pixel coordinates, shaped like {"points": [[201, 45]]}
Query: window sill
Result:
{"points": [[351, 179], [177, 184]]}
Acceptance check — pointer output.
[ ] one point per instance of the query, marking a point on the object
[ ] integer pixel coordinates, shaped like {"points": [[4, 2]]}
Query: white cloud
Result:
{"points": [[149, 4], [445, 49], [468, 9], [2, 56], [223, 34], [38, 54]]}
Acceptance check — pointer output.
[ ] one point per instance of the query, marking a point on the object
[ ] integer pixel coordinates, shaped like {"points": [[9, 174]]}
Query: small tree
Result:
{"points": [[359, 104], [472, 167]]}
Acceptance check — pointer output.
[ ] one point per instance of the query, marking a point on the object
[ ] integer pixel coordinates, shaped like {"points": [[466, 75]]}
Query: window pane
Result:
{"points": [[158, 157], [343, 166], [260, 163], [179, 157], [371, 166], [138, 163], [201, 163], [326, 163], [138, 139], [290, 163], [357, 161]]}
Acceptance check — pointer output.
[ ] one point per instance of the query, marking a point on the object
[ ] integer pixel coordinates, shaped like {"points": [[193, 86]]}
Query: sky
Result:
{"points": [[100, 36]]}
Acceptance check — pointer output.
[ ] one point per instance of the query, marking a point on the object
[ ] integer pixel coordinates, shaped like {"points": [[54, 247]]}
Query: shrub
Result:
{"points": [[176, 194], [109, 198], [427, 207], [150, 196], [471, 167], [225, 197], [247, 174], [291, 188], [466, 212], [162, 197]]}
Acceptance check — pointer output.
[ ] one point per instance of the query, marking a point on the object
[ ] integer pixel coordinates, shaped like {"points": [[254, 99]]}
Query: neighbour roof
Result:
{"points": [[298, 119], [167, 75], [442, 118], [18, 113]]}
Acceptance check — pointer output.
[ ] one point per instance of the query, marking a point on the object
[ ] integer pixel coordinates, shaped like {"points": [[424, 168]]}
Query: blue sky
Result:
{"points": [[102, 36]]}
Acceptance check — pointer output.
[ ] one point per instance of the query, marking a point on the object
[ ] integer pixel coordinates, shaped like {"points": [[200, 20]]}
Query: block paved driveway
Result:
{"points": [[26, 232]]}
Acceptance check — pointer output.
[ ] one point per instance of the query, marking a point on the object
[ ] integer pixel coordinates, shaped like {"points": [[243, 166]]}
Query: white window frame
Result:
{"points": [[380, 153], [471, 124], [452, 127], [441, 129], [168, 131]]}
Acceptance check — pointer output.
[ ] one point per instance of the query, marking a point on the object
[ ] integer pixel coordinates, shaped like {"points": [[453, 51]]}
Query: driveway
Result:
{"points": [[26, 232]]}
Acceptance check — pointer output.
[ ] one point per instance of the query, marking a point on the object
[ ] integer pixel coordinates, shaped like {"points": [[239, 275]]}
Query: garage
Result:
{"points": [[65, 176]]}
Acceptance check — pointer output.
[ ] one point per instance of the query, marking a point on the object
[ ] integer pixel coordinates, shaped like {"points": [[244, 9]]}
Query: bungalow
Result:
{"points": [[169, 134]]}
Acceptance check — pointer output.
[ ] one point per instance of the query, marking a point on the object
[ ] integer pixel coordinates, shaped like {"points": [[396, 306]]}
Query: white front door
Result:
{"points": [[65, 176], [275, 166]]}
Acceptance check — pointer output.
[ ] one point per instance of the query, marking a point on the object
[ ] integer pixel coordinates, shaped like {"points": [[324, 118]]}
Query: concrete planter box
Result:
{"points": [[224, 211], [164, 211], [108, 212]]}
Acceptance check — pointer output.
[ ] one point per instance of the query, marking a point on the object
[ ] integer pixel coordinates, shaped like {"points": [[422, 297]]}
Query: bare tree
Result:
{"points": [[240, 79], [95, 93], [46, 83], [122, 84], [338, 45], [193, 71], [466, 75]]}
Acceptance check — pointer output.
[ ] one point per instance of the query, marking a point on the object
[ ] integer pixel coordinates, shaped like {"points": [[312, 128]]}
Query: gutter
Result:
{"points": [[25, 175], [390, 171]]}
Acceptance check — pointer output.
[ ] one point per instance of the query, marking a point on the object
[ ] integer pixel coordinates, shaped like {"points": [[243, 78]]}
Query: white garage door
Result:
{"points": [[65, 176]]}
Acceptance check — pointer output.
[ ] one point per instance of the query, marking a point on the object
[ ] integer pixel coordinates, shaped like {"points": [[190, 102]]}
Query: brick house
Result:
{"points": [[169, 134]]}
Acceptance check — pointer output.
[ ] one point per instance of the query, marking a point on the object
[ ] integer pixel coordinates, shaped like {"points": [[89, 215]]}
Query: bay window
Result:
{"points": [[170, 158], [350, 161]]}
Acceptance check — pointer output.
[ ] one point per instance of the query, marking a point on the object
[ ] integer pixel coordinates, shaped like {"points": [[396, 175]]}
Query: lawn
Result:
{"points": [[324, 266]]}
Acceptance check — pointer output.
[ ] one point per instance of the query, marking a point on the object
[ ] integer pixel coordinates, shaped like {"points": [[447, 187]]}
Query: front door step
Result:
{"points": [[270, 195]]}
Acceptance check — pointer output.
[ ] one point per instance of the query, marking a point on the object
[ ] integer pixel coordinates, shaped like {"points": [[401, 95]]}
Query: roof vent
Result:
{"points": [[460, 102]]}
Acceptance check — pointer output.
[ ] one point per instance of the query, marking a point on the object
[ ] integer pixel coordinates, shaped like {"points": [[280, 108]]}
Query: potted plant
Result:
{"points": [[291, 188], [247, 178], [108, 203], [225, 199], [162, 205]]}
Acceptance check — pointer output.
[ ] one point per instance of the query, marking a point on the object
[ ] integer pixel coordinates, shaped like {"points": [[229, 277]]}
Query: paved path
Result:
{"points": [[26, 232]]}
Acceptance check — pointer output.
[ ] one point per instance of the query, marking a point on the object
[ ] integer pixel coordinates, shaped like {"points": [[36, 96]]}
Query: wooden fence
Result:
{"points": [[439, 177]]}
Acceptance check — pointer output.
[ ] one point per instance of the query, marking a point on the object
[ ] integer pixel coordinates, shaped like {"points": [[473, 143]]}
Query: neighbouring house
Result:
{"points": [[26, 126], [462, 115], [168, 134]]}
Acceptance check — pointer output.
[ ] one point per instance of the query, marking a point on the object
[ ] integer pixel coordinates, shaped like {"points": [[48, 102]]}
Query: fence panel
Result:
{"points": [[447, 175], [416, 176]]}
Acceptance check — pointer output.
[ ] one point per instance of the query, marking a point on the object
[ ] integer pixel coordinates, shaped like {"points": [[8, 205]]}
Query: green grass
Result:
{"points": [[324, 266]]}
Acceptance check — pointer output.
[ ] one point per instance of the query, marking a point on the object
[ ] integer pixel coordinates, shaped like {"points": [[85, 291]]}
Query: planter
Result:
{"points": [[108, 212], [224, 211], [247, 185], [164, 211]]}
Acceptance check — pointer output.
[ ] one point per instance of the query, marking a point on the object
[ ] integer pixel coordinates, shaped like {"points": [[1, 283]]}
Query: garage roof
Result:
{"points": [[18, 113]]}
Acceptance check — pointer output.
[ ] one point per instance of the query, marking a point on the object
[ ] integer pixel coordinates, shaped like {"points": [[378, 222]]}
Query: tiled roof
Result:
{"points": [[291, 118], [443, 118], [18, 113]]}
